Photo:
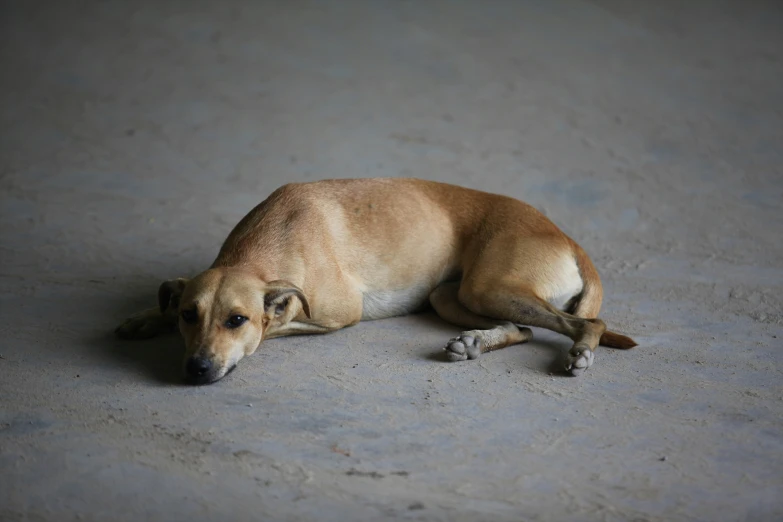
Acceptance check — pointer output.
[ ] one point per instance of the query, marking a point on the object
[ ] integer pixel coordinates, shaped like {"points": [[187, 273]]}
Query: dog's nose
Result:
{"points": [[197, 367]]}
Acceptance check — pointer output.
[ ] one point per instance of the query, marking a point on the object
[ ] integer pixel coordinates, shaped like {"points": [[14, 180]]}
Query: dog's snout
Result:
{"points": [[198, 368]]}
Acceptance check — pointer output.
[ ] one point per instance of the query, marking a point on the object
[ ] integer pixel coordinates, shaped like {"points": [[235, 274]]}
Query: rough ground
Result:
{"points": [[135, 134]]}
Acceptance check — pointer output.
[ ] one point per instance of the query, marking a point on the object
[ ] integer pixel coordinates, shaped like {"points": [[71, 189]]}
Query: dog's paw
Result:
{"points": [[465, 346], [579, 358], [142, 325]]}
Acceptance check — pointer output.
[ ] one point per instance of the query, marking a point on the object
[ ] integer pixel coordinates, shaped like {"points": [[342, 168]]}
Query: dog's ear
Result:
{"points": [[169, 293], [277, 296]]}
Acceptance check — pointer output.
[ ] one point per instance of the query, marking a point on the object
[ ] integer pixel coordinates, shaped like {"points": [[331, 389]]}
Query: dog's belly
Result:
{"points": [[379, 304]]}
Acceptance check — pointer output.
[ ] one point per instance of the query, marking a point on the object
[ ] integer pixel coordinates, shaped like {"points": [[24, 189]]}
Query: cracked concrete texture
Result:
{"points": [[136, 134]]}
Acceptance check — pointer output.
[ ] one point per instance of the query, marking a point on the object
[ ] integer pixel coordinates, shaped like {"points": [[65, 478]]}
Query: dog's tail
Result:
{"points": [[616, 340]]}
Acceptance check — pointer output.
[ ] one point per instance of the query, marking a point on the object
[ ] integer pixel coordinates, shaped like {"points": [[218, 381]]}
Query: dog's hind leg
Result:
{"points": [[485, 334], [151, 322], [523, 306]]}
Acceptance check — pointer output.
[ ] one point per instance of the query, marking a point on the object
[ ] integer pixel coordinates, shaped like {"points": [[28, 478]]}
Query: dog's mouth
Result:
{"points": [[207, 378]]}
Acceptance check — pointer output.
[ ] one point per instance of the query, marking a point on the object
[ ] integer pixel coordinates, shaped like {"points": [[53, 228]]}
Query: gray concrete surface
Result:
{"points": [[135, 134]]}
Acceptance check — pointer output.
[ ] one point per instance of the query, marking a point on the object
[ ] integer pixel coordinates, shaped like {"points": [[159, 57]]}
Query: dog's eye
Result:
{"points": [[235, 321], [189, 316]]}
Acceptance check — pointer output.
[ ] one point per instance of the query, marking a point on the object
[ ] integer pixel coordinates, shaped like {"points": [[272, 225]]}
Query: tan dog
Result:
{"points": [[317, 257]]}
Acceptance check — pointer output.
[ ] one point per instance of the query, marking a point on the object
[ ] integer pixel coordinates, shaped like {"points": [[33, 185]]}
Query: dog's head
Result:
{"points": [[225, 313]]}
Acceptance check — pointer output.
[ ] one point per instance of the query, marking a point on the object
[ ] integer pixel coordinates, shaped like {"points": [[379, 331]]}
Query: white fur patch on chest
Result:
{"points": [[563, 283], [379, 304]]}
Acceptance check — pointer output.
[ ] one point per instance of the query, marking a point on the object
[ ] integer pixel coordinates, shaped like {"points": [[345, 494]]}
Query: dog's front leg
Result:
{"points": [[151, 322]]}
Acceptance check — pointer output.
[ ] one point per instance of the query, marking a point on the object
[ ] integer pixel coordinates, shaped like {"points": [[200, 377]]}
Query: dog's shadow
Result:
{"points": [[158, 358]]}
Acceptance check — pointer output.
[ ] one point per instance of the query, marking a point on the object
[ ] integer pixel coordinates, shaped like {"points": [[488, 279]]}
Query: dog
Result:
{"points": [[316, 257]]}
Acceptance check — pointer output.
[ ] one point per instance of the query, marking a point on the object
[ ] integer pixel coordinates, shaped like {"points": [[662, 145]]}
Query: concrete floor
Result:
{"points": [[136, 134]]}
